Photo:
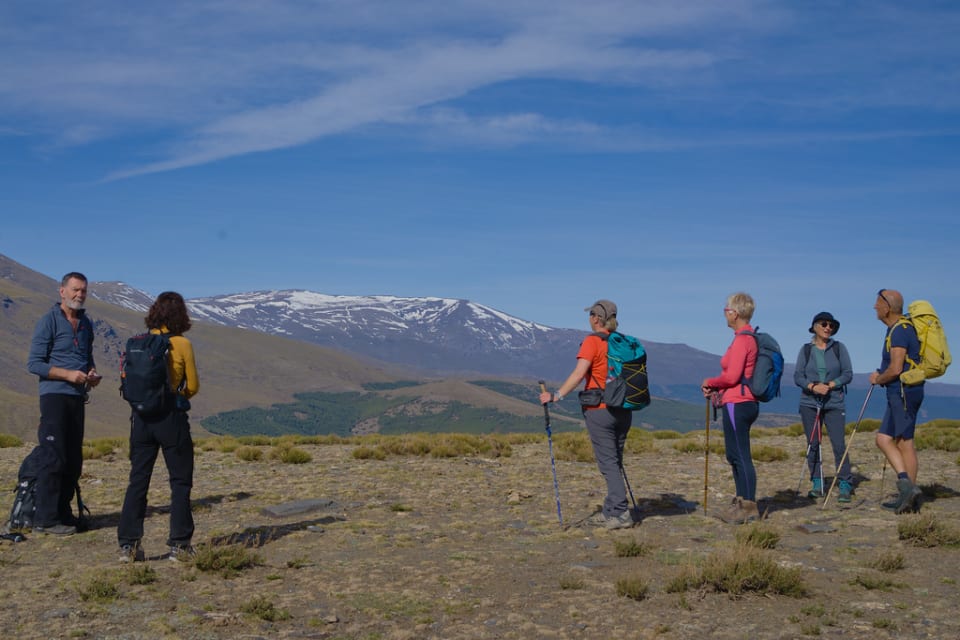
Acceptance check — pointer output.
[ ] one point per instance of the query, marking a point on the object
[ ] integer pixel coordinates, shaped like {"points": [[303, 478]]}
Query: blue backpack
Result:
{"points": [[765, 382], [627, 386]]}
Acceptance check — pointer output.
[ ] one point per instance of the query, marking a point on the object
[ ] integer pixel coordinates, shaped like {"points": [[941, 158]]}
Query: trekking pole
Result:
{"points": [[636, 509], [883, 472], [847, 449], [706, 459], [553, 464], [806, 456]]}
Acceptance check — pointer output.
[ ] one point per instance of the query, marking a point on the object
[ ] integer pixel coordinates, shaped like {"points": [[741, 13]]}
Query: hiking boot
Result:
{"points": [[57, 530], [816, 489], [748, 511], [622, 521], [132, 553], [846, 492], [732, 513], [597, 520], [909, 496], [182, 554]]}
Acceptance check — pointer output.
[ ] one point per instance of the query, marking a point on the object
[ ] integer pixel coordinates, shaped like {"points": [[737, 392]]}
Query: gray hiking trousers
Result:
{"points": [[608, 430]]}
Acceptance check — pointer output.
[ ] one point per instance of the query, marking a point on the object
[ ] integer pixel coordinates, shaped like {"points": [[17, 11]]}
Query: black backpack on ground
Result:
{"points": [[143, 374], [24, 508]]}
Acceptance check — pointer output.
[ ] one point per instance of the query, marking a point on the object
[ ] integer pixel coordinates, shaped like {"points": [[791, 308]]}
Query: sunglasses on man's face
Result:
{"points": [[826, 324]]}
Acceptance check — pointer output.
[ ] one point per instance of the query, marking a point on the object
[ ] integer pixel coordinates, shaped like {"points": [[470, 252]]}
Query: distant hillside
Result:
{"points": [[267, 356]]}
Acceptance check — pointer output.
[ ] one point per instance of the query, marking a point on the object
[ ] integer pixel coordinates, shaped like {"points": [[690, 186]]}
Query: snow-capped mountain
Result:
{"points": [[428, 334], [122, 295]]}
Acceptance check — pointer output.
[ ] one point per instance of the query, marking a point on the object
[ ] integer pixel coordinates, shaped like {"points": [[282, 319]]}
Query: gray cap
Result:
{"points": [[603, 309]]}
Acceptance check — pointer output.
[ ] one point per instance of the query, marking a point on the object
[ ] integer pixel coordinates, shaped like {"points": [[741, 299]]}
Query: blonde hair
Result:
{"points": [[743, 304], [611, 324]]}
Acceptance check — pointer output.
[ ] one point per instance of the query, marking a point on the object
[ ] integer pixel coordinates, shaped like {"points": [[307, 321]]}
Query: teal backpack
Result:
{"points": [[627, 386]]}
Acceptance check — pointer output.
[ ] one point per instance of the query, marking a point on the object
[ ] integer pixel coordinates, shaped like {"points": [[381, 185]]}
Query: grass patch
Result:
{"points": [[866, 425], [925, 530], [888, 562], [369, 453], [9, 440], [630, 549], [228, 560], [943, 435], [667, 434], [875, 583], [633, 587], [249, 454], [571, 583], [263, 608], [140, 573], [767, 453], [758, 535], [102, 588], [102, 447], [742, 570], [288, 454]]}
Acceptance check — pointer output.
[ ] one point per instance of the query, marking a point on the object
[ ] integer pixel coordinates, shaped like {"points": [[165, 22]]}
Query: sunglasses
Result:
{"points": [[883, 297], [826, 324]]}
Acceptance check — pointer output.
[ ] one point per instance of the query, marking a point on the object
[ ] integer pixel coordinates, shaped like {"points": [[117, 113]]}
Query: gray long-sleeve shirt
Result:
{"points": [[828, 365], [56, 344]]}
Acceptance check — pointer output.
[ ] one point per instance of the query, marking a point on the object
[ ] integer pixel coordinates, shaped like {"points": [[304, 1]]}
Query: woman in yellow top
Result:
{"points": [[168, 431]]}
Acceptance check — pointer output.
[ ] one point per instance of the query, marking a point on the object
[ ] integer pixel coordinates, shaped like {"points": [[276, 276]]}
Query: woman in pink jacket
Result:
{"points": [[732, 395]]}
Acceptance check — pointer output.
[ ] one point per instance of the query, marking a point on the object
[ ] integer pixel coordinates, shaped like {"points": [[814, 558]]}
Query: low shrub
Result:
{"points": [[741, 570], [630, 548], [758, 535], [261, 607], [925, 530], [9, 440], [633, 587], [249, 454], [227, 560], [888, 562], [289, 454]]}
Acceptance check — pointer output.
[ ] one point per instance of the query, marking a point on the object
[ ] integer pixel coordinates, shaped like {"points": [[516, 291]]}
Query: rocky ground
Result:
{"points": [[471, 547]]}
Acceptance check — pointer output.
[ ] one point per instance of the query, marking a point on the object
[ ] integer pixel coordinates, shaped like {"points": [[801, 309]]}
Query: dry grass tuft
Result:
{"points": [[741, 570], [8, 440], [631, 548], [925, 530], [228, 560], [249, 454], [888, 562], [633, 587], [758, 535], [261, 607]]}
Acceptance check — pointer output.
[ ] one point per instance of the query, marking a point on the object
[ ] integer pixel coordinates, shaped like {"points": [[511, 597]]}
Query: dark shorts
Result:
{"points": [[900, 418]]}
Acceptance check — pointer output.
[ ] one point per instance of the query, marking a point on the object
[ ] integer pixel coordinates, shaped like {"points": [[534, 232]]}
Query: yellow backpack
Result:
{"points": [[934, 352]]}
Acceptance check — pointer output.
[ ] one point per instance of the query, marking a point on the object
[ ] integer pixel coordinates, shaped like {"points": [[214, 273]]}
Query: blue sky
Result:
{"points": [[531, 157]]}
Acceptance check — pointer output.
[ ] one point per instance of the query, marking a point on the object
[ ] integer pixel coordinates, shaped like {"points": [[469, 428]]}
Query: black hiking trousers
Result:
{"points": [[60, 434], [169, 433]]}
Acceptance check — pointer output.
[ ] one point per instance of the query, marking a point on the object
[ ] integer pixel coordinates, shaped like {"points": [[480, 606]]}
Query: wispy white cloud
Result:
{"points": [[219, 80]]}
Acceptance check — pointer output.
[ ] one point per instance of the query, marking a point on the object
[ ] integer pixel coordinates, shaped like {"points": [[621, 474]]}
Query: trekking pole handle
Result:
{"points": [[546, 409]]}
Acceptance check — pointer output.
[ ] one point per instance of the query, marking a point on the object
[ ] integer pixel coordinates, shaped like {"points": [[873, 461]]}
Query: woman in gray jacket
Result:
{"points": [[823, 371]]}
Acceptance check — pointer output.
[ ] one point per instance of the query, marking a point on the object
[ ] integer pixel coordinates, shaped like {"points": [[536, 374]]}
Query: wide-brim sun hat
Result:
{"points": [[827, 316]]}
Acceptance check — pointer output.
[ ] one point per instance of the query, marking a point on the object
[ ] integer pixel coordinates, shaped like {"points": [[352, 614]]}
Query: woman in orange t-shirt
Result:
{"points": [[607, 427], [740, 409]]}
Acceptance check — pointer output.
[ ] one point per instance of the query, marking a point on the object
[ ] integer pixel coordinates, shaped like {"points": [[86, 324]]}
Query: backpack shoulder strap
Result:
{"points": [[903, 321]]}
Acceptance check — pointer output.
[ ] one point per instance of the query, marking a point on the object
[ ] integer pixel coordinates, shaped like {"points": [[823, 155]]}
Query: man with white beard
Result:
{"points": [[61, 355]]}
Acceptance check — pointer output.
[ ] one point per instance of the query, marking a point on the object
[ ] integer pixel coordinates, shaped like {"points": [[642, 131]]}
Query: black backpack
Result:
{"points": [[143, 374], [23, 511]]}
